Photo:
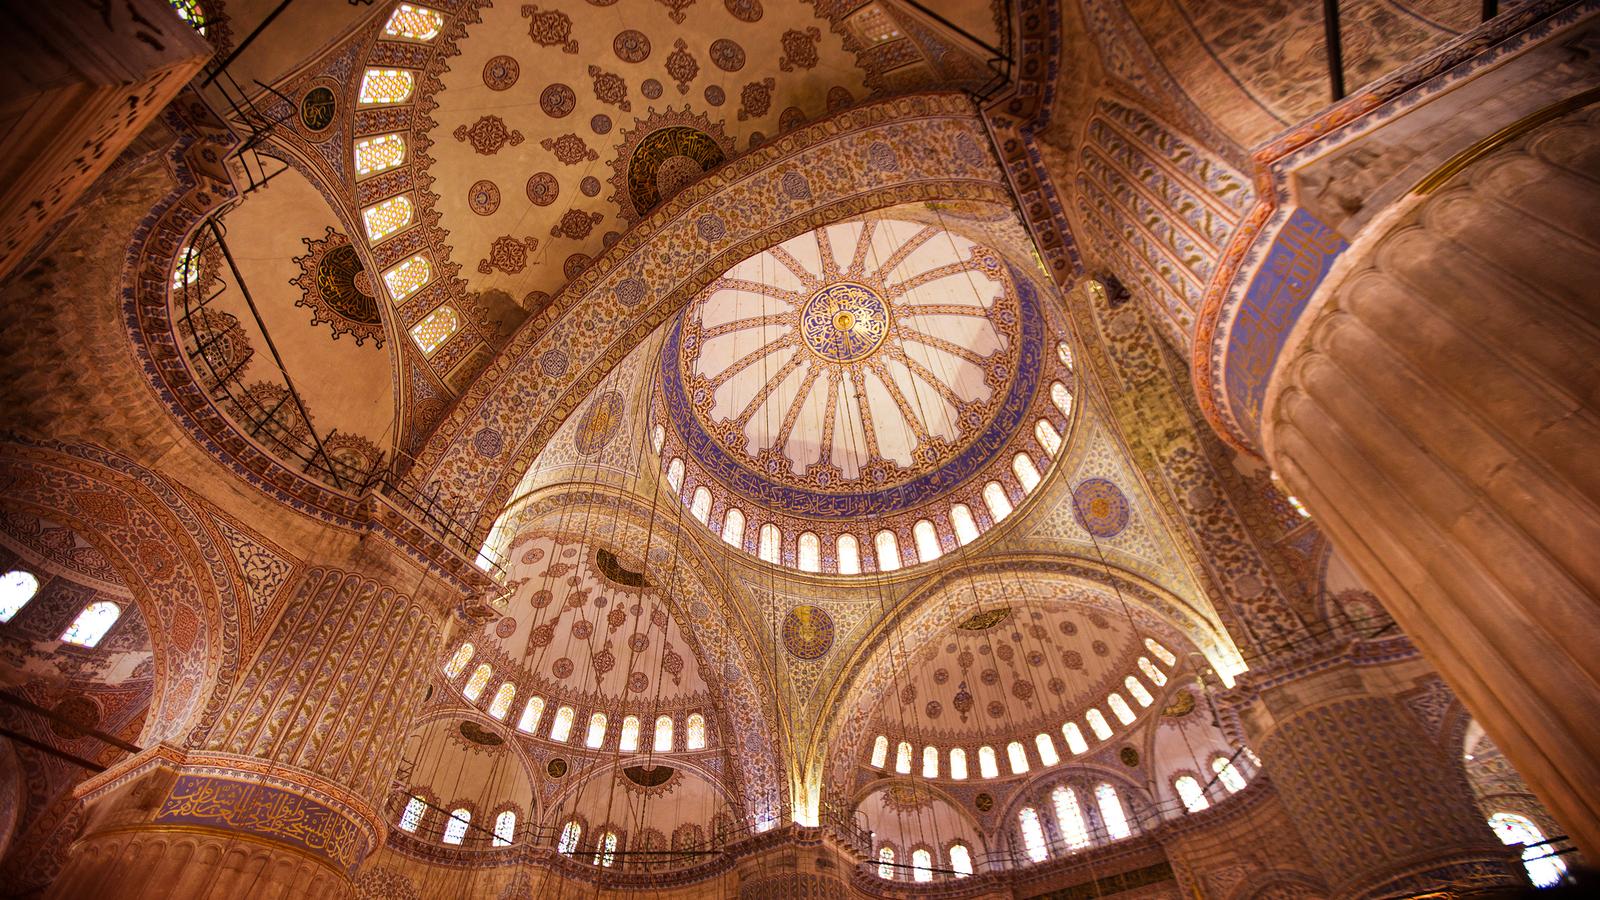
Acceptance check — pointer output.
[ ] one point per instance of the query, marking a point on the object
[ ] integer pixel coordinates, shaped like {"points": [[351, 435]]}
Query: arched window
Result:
{"points": [[561, 726], [458, 663], [960, 859], [1017, 757], [479, 680], [696, 728], [1097, 724], [605, 849], [1062, 398], [930, 762], [629, 741], [733, 527], [92, 624], [994, 497], [888, 549], [436, 328], [1064, 353], [886, 861], [1163, 653], [1544, 870], [988, 765], [191, 13], [597, 731], [849, 550], [663, 740], [902, 757], [374, 155], [927, 540], [965, 526], [456, 829], [570, 835], [386, 86], [1047, 749], [1120, 708], [408, 277], [809, 554], [501, 705], [1048, 437], [1074, 736], [658, 437], [1069, 817], [1227, 774], [958, 764], [413, 22], [769, 546], [1136, 688], [700, 506], [1032, 834], [1151, 672], [531, 714], [921, 865], [1027, 473], [880, 752], [17, 587], [505, 828], [675, 474], [411, 816], [1190, 792], [1111, 811]]}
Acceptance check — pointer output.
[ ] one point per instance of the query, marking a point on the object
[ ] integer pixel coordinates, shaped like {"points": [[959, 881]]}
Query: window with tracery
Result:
{"points": [[92, 624], [1151, 672], [1069, 817], [658, 437], [191, 12], [505, 828], [436, 328], [700, 506], [810, 552], [849, 551], [888, 548], [1064, 353], [1027, 473], [958, 764], [902, 758], [1190, 792], [994, 497], [1047, 749], [733, 526], [456, 829], [695, 732], [380, 86], [629, 740], [605, 849], [1161, 652], [675, 474], [17, 587], [1017, 757], [1032, 834], [964, 525], [187, 268], [561, 726], [1120, 708], [880, 752], [886, 862], [1544, 869], [530, 714], [597, 731], [1048, 437], [411, 816], [479, 680], [921, 865], [769, 544], [570, 835], [663, 741], [1228, 774], [1062, 398], [501, 705], [930, 762], [417, 23], [378, 154], [387, 217], [1137, 689], [407, 278], [960, 859], [927, 541], [988, 764], [458, 662], [1111, 812], [1097, 724], [1074, 736]]}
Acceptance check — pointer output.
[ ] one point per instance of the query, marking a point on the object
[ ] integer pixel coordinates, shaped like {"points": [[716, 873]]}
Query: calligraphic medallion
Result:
{"points": [[983, 621], [317, 108], [844, 322], [1101, 506], [807, 632]]}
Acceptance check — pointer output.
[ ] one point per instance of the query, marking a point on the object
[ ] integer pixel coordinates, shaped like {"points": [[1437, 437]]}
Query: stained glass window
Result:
{"points": [[809, 552], [386, 86], [1160, 651], [387, 217], [988, 765], [960, 859], [1061, 397], [966, 527], [849, 550], [570, 834], [770, 543], [732, 526], [605, 849], [1120, 708], [902, 758], [92, 624], [658, 437], [927, 541], [675, 474], [405, 279], [700, 506], [501, 705], [17, 587], [479, 679], [696, 732], [880, 752], [921, 865], [561, 725], [1032, 834], [888, 550], [187, 269], [597, 731], [628, 742], [1069, 817], [456, 829], [411, 816], [376, 154], [1064, 353], [1017, 756], [1137, 689], [1074, 736], [885, 862], [1027, 473], [958, 764], [1151, 672], [417, 23], [1047, 749], [436, 328], [1543, 870], [1227, 774], [190, 12], [1049, 438], [1098, 724], [994, 497], [458, 663], [531, 714], [663, 740], [1111, 811], [1190, 792], [930, 762], [505, 828]]}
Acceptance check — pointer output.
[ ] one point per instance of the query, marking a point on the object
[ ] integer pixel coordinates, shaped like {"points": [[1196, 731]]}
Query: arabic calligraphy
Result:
{"points": [[844, 322], [266, 811]]}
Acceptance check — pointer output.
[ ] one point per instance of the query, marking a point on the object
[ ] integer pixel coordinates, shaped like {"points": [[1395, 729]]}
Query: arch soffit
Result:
{"points": [[457, 712], [174, 570], [818, 175], [559, 802], [865, 792]]}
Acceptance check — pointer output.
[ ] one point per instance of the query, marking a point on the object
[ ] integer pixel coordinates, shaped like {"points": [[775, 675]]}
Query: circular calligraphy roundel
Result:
{"points": [[844, 322], [666, 160], [807, 632]]}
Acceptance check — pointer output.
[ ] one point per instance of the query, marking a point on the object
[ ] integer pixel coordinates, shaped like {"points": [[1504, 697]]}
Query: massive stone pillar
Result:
{"points": [[1380, 807], [281, 797], [1435, 407]]}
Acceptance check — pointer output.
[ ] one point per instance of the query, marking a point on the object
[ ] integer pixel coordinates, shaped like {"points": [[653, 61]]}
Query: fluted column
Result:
{"points": [[281, 798], [1380, 807], [1437, 411]]}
